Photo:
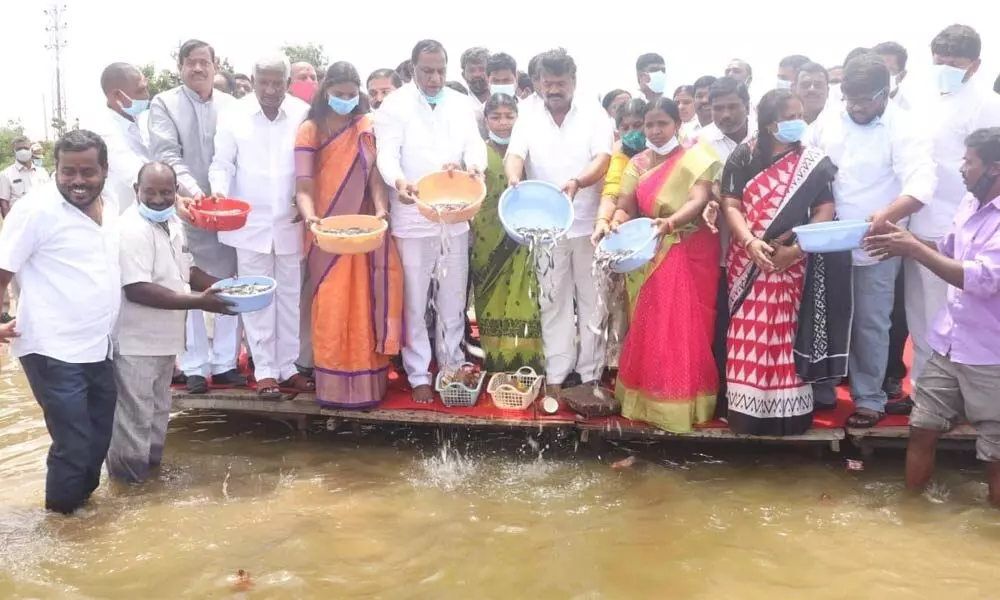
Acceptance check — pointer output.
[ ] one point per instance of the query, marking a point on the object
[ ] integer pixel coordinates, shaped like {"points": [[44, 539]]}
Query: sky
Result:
{"points": [[99, 32]]}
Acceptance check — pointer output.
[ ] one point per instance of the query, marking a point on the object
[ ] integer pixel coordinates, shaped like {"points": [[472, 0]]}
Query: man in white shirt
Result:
{"points": [[960, 107], [15, 182], [62, 245], [423, 128], [157, 273], [651, 75], [182, 124], [126, 97], [730, 127], [812, 85], [895, 56], [885, 175], [566, 141], [255, 162]]}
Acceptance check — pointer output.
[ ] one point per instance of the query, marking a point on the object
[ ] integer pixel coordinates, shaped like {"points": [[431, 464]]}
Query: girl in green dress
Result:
{"points": [[506, 291]]}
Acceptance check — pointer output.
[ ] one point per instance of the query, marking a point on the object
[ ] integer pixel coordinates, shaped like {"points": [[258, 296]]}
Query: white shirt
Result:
{"points": [[414, 140], [690, 129], [876, 163], [127, 152], [556, 154], [254, 161], [67, 268], [950, 119], [723, 145], [150, 254], [19, 179]]}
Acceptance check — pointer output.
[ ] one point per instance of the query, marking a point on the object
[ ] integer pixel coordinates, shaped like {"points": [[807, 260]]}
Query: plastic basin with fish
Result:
{"points": [[243, 304], [224, 214], [350, 244], [637, 236], [456, 187], [535, 203], [832, 236]]}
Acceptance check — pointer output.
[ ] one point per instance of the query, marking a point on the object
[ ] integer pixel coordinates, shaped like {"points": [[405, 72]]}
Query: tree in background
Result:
{"points": [[11, 130], [310, 53]]}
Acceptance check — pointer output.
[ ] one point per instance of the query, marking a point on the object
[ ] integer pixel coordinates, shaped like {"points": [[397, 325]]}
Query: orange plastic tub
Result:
{"points": [[226, 214], [355, 244], [457, 186]]}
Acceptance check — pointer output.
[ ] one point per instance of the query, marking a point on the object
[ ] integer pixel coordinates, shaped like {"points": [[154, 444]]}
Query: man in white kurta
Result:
{"points": [[255, 162], [956, 110], [566, 141], [421, 128]]}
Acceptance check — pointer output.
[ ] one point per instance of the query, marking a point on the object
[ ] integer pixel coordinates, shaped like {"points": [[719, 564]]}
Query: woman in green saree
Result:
{"points": [[503, 278]]}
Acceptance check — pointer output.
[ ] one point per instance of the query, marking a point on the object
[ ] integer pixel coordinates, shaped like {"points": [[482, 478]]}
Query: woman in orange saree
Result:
{"points": [[666, 374], [357, 300]]}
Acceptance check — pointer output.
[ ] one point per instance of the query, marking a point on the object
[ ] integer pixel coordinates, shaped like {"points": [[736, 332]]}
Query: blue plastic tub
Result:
{"points": [[242, 304], [637, 236], [535, 203], [832, 236]]}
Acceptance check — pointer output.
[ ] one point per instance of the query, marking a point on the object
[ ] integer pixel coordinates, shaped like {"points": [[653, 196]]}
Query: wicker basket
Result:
{"points": [[457, 394], [507, 397]]}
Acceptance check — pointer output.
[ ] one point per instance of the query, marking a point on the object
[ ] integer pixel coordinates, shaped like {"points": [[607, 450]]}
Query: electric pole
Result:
{"points": [[56, 28]]}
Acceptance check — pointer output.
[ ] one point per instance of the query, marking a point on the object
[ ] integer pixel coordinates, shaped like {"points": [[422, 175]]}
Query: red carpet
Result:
{"points": [[398, 398]]}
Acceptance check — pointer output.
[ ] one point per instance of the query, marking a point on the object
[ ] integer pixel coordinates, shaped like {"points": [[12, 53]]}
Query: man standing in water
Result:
{"points": [[566, 141], [424, 128], [961, 380], [62, 242], [182, 125]]}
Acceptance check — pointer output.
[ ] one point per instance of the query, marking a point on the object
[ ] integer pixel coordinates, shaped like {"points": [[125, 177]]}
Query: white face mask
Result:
{"points": [[23, 155], [665, 148]]}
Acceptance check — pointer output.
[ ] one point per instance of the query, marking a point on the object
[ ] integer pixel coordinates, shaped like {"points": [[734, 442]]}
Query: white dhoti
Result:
{"points": [[273, 333], [419, 256], [925, 294], [570, 343]]}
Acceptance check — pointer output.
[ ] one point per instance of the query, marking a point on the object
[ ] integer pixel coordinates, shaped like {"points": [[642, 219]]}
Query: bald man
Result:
{"points": [[126, 96], [304, 82]]}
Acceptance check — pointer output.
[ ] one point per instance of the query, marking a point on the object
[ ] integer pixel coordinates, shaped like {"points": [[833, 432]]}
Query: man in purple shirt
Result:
{"points": [[961, 381]]}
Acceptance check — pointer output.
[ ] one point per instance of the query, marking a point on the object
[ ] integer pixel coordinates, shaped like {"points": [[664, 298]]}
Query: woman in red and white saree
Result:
{"points": [[790, 313]]}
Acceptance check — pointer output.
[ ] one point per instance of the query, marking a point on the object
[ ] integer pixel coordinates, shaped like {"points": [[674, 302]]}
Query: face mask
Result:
{"points": [[137, 107], [503, 141], [503, 88], [657, 81], [893, 84], [37, 161], [949, 79], [23, 155], [790, 132], [303, 90], [665, 148], [783, 85], [435, 98], [156, 216], [986, 182], [343, 107], [635, 140]]}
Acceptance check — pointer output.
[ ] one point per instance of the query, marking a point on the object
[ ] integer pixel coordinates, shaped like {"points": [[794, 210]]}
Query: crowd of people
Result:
{"points": [[731, 319]]}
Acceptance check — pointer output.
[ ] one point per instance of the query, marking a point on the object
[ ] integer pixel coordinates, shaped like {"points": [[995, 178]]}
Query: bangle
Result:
{"points": [[605, 219], [748, 241]]}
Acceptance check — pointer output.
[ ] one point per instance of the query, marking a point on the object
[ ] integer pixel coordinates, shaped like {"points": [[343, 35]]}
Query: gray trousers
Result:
{"points": [[141, 415]]}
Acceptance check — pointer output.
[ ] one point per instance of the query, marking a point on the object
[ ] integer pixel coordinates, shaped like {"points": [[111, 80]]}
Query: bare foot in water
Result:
{"points": [[423, 394]]}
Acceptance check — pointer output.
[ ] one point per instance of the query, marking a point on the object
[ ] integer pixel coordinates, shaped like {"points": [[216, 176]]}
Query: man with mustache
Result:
{"points": [[812, 85], [380, 84], [62, 242], [474, 62], [566, 141], [182, 123]]}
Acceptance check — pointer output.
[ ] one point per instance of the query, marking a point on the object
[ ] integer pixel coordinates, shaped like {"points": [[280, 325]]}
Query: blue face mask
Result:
{"points": [[635, 140], [37, 161], [503, 141], [503, 88], [657, 81], [343, 107], [435, 98], [790, 132], [137, 108], [156, 216], [949, 79]]}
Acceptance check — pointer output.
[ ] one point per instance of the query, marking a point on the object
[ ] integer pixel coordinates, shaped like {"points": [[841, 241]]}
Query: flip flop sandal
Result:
{"points": [[900, 407], [861, 420], [268, 389], [300, 383]]}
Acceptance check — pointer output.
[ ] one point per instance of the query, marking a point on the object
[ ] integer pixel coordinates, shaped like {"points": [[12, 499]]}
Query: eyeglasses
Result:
{"points": [[855, 101]]}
